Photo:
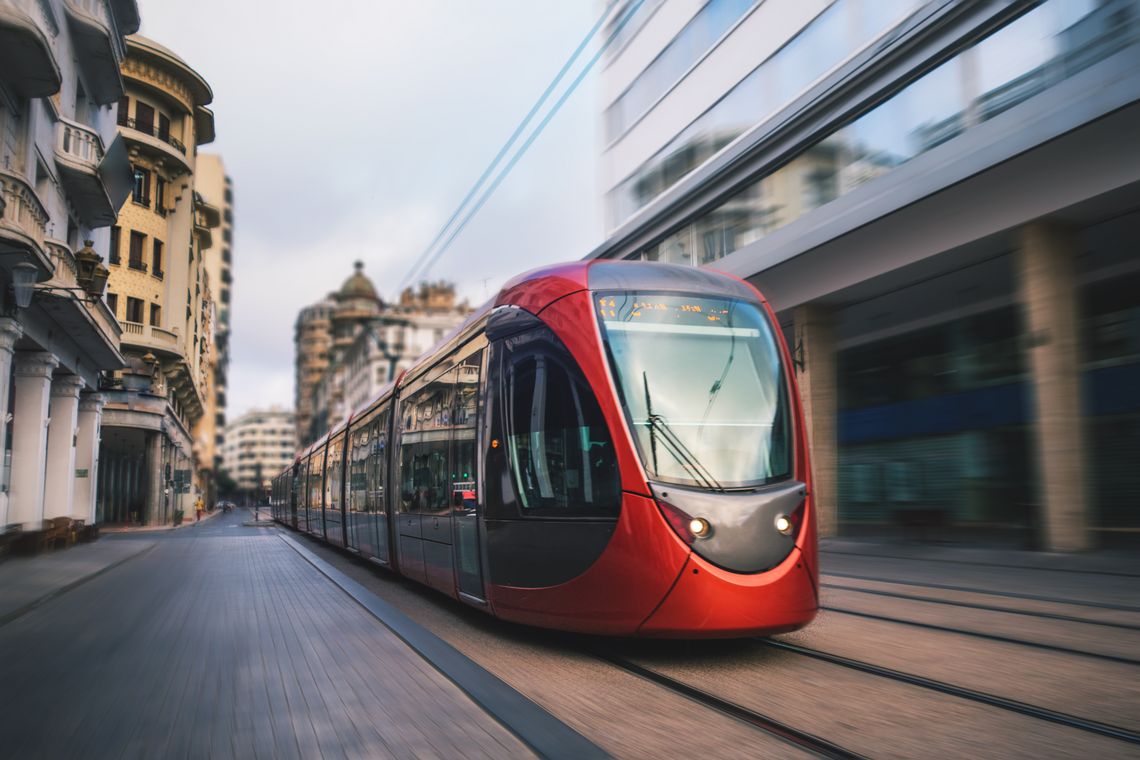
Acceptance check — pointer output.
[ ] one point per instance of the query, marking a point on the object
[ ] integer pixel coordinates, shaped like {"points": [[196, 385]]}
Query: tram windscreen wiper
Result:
{"points": [[674, 445]]}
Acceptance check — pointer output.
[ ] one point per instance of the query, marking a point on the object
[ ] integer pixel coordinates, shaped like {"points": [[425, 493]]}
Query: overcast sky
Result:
{"points": [[353, 128]]}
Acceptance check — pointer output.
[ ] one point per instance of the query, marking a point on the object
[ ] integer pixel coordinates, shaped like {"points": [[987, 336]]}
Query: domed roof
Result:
{"points": [[357, 286]]}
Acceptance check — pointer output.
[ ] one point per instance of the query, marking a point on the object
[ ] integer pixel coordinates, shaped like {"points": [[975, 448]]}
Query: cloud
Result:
{"points": [[352, 130]]}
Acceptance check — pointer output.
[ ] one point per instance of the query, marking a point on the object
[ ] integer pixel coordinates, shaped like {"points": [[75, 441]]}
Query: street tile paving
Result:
{"points": [[221, 641]]}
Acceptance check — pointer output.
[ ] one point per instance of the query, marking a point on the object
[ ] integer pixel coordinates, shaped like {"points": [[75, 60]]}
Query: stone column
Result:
{"points": [[814, 346], [29, 437], [10, 332], [1047, 268], [59, 487], [156, 479], [86, 474]]}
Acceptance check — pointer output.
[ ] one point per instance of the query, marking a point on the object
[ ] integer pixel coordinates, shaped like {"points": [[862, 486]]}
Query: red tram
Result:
{"points": [[606, 447]]}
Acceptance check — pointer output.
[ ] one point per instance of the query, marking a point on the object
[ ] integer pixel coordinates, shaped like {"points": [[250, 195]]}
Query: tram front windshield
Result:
{"points": [[702, 383]]}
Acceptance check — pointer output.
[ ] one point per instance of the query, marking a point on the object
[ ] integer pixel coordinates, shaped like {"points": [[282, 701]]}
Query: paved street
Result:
{"points": [[222, 641]]}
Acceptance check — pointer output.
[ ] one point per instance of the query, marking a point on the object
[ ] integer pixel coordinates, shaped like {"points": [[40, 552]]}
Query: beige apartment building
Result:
{"points": [[216, 190], [63, 175], [160, 293]]}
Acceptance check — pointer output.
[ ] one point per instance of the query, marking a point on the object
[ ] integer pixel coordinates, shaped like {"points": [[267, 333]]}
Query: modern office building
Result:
{"points": [[941, 201], [63, 175], [159, 291], [257, 446], [216, 189]]}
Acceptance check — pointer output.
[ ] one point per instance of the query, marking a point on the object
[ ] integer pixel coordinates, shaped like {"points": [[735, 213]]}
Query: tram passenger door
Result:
{"points": [[464, 481]]}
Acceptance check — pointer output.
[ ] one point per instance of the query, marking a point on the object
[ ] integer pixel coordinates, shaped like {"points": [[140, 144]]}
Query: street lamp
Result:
{"points": [[90, 275]]}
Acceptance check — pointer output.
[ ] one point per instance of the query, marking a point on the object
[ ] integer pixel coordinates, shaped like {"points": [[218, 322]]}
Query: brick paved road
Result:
{"points": [[222, 641]]}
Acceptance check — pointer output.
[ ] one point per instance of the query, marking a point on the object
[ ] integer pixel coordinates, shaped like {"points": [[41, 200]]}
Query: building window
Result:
{"points": [[155, 314], [113, 303], [160, 195], [163, 127], [144, 118], [138, 241], [116, 241], [156, 259], [134, 310], [141, 192], [124, 106]]}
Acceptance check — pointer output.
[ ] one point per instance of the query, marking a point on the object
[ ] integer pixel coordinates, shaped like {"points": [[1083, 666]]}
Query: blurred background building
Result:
{"points": [[216, 190], [160, 293], [63, 175], [942, 202], [350, 344], [257, 446]]}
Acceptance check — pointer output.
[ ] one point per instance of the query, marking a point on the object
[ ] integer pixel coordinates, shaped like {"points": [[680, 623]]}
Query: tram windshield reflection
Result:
{"points": [[702, 383]]}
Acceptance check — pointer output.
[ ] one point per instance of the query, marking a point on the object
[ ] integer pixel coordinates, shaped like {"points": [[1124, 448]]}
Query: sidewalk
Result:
{"points": [[28, 582], [157, 528]]}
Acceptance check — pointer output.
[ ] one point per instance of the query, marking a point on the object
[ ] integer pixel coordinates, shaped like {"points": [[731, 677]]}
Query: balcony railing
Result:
{"points": [[23, 213], [153, 130], [139, 333], [79, 143]]}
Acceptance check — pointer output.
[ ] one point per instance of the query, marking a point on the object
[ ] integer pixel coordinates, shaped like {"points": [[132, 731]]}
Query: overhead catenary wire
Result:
{"points": [[435, 249]]}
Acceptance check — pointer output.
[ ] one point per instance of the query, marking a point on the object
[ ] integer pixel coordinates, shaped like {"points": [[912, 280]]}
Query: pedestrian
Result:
{"points": [[198, 506]]}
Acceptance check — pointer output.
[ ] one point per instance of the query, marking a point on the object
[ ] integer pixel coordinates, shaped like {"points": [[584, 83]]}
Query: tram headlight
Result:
{"points": [[784, 525], [699, 527]]}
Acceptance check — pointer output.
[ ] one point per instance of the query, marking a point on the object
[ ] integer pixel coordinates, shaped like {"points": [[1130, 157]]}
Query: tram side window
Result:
{"points": [[424, 482], [561, 453], [378, 463]]}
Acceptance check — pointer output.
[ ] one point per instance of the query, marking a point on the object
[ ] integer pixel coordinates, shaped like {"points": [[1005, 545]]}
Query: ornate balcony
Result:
{"points": [[99, 44], [78, 154], [23, 219], [152, 338], [155, 142], [27, 53]]}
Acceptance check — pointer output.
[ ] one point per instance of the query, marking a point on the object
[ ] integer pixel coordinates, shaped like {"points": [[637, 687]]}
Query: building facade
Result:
{"points": [[941, 200], [257, 446], [352, 343], [216, 190], [160, 293], [63, 175]]}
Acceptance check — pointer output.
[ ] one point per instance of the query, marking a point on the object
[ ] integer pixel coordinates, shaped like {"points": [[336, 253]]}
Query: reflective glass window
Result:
{"points": [[560, 451]]}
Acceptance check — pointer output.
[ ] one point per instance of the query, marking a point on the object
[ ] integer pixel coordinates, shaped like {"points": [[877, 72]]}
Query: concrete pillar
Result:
{"points": [[29, 437], [59, 486], [156, 482], [10, 332], [1047, 267], [86, 474], [814, 346]]}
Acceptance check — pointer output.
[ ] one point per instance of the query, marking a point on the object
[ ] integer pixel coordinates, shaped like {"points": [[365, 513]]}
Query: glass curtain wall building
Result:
{"points": [[942, 201]]}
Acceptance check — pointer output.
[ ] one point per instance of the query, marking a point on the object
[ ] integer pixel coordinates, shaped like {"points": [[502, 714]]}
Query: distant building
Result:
{"points": [[257, 446], [160, 292], [351, 343], [63, 175], [940, 201]]}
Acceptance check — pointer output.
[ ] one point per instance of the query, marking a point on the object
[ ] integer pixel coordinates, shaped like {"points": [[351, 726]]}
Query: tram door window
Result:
{"points": [[464, 483], [303, 495], [561, 453], [316, 488], [357, 490], [334, 474], [423, 478], [376, 475]]}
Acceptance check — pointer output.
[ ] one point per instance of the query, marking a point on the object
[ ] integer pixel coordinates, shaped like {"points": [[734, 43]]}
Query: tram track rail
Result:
{"points": [[1117, 659], [992, 700], [986, 607], [787, 733], [987, 592]]}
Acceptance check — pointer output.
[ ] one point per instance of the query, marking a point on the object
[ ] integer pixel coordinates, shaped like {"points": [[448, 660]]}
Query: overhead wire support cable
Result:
{"points": [[428, 258], [408, 278]]}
